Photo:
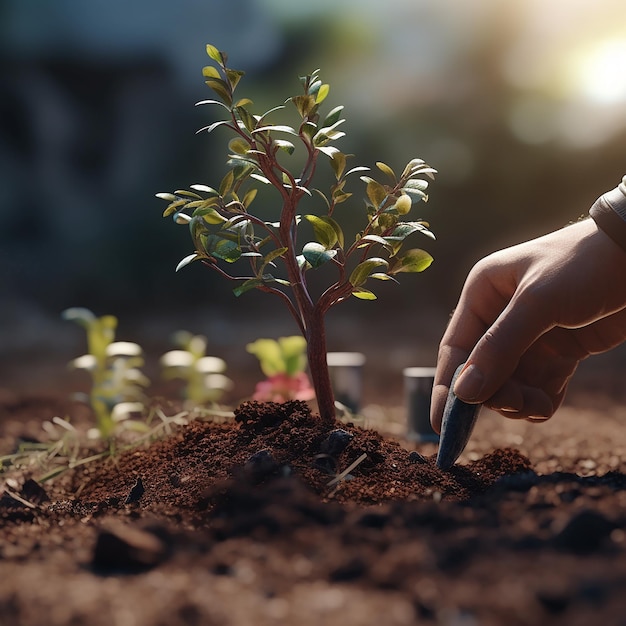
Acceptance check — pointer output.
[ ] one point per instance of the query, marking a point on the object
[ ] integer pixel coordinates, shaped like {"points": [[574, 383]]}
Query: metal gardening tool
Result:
{"points": [[456, 427]]}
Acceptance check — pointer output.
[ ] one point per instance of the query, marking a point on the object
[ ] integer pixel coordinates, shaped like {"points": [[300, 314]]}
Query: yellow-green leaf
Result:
{"points": [[327, 231], [363, 270], [215, 54], [415, 260], [322, 93], [364, 294], [249, 197], [383, 167], [376, 193], [211, 72]]}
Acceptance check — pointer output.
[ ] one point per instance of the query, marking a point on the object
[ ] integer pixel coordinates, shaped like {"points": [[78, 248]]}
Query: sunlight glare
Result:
{"points": [[602, 75]]}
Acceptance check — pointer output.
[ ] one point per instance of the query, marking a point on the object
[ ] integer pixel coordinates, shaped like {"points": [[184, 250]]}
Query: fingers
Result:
{"points": [[447, 363], [518, 401], [498, 352]]}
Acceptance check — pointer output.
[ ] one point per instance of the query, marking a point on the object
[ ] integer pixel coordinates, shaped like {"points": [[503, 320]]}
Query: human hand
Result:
{"points": [[527, 316]]}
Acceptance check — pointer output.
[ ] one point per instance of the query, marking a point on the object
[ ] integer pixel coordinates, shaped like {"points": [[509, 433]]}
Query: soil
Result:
{"points": [[251, 522]]}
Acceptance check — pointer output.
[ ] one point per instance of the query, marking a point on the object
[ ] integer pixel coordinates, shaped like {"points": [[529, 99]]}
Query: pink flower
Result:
{"points": [[281, 388]]}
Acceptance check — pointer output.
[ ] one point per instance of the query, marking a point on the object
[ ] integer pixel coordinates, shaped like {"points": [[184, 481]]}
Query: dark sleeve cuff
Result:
{"points": [[609, 213]]}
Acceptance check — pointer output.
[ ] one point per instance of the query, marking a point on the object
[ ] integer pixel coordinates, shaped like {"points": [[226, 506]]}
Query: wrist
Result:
{"points": [[609, 213]]}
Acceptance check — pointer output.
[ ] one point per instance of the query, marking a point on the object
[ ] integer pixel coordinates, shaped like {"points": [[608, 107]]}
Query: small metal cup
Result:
{"points": [[418, 388], [346, 376]]}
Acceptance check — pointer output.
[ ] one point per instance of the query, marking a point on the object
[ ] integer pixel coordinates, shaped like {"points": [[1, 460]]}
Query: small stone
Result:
{"points": [[34, 492], [135, 494], [260, 465], [416, 457], [336, 442]]}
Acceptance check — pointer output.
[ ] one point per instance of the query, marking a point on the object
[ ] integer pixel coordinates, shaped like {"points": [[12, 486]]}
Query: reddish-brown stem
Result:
{"points": [[315, 336], [312, 321]]}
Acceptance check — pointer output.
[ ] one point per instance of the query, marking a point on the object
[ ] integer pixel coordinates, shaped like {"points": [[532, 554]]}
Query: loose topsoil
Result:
{"points": [[255, 522]]}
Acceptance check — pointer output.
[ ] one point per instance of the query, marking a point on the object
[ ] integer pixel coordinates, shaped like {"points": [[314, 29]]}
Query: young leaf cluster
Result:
{"points": [[202, 375], [225, 230], [115, 368]]}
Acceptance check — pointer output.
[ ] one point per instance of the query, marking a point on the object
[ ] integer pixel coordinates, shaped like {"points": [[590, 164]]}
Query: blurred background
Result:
{"points": [[521, 107]]}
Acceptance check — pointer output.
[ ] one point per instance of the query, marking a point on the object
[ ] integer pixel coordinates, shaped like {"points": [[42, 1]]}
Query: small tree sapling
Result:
{"points": [[224, 230]]}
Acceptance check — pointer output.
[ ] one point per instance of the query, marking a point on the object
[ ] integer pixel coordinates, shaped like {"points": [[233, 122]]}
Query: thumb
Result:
{"points": [[496, 356]]}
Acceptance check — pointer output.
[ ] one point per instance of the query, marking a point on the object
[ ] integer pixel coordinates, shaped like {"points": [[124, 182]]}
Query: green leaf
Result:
{"points": [[359, 168], [189, 194], [226, 250], [209, 215], [182, 218], [216, 55], [417, 183], [303, 264], [370, 239], [247, 119], [221, 88], [234, 76], [362, 271], [212, 102], [249, 197], [211, 127], [211, 72], [247, 285], [326, 230], [269, 354], [227, 183], [173, 208], [387, 220], [279, 128], [273, 255], [329, 151], [80, 315], [416, 167], [364, 294], [238, 145], [293, 350], [386, 170], [244, 102], [338, 163], [187, 260], [316, 254], [166, 196], [261, 179], [285, 146], [381, 276], [204, 189], [411, 165], [315, 84], [375, 192], [340, 197], [323, 136], [415, 260], [332, 117], [308, 129], [404, 229], [305, 104], [415, 193]]}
